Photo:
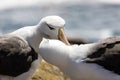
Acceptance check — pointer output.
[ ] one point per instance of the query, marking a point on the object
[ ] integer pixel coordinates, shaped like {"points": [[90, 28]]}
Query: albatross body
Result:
{"points": [[94, 61], [17, 58], [49, 27]]}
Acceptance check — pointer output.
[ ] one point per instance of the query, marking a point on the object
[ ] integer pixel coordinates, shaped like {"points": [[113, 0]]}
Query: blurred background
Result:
{"points": [[89, 19]]}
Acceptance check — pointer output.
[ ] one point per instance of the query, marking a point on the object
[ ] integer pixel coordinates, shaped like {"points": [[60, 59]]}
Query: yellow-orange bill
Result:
{"points": [[62, 36]]}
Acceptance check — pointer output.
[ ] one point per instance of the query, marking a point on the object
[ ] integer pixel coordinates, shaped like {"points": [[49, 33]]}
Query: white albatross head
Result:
{"points": [[52, 27], [55, 52]]}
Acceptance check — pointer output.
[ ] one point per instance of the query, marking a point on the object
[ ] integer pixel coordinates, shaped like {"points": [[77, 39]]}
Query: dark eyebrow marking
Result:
{"points": [[51, 28]]}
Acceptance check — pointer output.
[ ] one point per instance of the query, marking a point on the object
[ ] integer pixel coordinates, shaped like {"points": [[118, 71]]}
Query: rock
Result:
{"points": [[47, 71]]}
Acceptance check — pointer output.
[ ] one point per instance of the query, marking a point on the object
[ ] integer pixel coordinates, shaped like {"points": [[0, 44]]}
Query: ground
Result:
{"points": [[47, 71]]}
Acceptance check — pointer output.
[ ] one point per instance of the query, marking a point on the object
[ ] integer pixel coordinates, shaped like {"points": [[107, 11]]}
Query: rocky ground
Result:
{"points": [[47, 71]]}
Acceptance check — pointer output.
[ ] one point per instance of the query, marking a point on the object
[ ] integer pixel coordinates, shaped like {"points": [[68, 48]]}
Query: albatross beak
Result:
{"points": [[62, 36]]}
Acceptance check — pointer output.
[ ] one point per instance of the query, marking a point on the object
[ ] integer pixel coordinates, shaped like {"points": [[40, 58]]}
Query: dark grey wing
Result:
{"points": [[107, 55], [15, 56]]}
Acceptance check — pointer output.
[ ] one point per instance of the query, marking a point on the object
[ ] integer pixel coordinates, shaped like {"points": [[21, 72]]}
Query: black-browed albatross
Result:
{"points": [[16, 57], [49, 27], [93, 61]]}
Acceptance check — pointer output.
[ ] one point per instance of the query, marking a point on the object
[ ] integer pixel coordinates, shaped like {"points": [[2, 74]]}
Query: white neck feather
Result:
{"points": [[31, 34]]}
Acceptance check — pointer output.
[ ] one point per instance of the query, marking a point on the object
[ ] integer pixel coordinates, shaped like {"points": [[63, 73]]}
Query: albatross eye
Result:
{"points": [[51, 28]]}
